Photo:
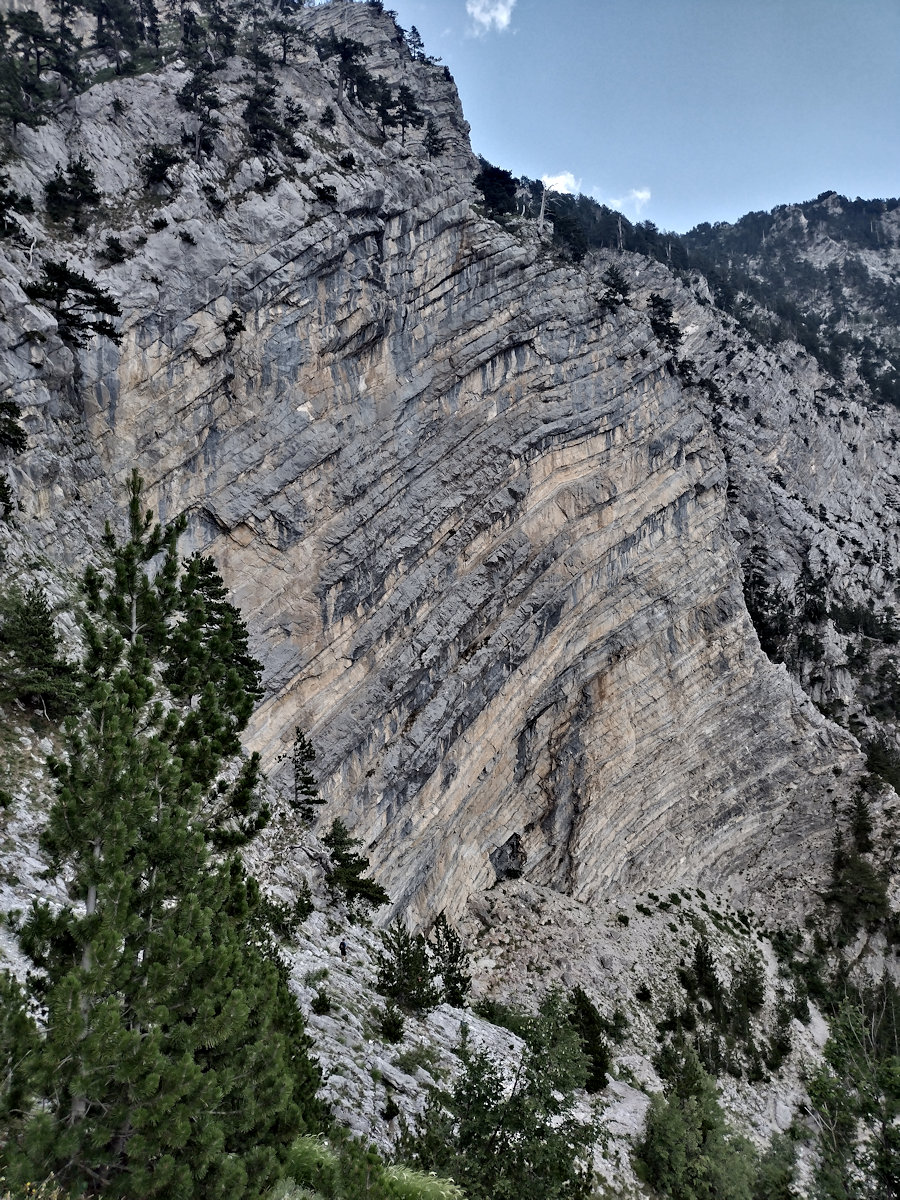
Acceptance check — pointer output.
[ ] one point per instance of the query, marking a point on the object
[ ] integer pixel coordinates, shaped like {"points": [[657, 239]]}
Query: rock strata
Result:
{"points": [[479, 527]]}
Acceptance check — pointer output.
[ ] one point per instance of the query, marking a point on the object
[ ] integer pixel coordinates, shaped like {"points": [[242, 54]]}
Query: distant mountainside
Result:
{"points": [[825, 274]]}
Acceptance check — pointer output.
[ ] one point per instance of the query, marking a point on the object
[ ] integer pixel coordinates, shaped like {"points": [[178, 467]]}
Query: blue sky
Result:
{"points": [[679, 111]]}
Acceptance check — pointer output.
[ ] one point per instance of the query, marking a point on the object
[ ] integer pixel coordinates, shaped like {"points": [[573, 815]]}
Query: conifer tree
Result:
{"points": [[200, 97], [32, 41], [346, 873], [12, 435], [21, 102], [406, 972], [519, 1139], [352, 73], [79, 305], [173, 1060], [67, 45], [306, 788], [451, 961], [433, 143], [384, 104], [261, 114], [69, 193], [34, 669], [409, 115]]}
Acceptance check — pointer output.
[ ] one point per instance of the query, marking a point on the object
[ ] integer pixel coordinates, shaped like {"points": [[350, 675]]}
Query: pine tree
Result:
{"points": [[34, 669], [199, 97], [69, 193], [591, 1029], [433, 143], [512, 1139], [306, 788], [415, 44], [406, 972], [79, 305], [261, 115], [451, 961], [173, 1061], [20, 100], [352, 73], [688, 1150], [346, 873], [409, 115], [32, 41], [67, 45], [12, 435], [384, 105]]}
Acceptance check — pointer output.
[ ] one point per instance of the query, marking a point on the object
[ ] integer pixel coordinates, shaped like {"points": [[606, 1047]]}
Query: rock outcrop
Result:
{"points": [[480, 529]]}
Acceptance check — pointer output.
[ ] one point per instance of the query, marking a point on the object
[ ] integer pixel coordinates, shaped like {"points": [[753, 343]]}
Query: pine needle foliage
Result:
{"points": [[171, 1059], [80, 307], [33, 667], [345, 877], [688, 1151], [406, 972], [512, 1139]]}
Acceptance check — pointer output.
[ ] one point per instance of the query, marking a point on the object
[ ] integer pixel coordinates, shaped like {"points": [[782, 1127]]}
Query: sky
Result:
{"points": [[678, 111]]}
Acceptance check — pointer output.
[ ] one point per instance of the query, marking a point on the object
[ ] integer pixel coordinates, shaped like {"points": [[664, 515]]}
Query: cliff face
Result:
{"points": [[479, 527]]}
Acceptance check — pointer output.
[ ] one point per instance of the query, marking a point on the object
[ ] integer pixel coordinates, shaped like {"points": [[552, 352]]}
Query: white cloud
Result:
{"points": [[633, 203], [564, 182], [490, 14]]}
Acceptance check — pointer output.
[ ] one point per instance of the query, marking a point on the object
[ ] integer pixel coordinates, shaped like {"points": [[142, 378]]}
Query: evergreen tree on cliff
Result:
{"points": [[171, 1059]]}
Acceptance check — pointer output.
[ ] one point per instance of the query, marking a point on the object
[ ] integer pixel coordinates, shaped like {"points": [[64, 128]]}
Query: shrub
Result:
{"points": [[69, 192], [114, 251], [157, 165], [391, 1023], [321, 1004]]}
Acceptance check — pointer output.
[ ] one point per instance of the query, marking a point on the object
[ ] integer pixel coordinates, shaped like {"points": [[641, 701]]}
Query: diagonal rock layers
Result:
{"points": [[478, 527]]}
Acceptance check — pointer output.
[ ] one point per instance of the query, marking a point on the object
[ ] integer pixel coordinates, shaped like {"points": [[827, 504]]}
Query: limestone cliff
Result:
{"points": [[483, 533]]}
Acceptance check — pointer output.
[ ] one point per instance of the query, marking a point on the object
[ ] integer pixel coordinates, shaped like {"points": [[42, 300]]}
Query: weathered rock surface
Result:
{"points": [[480, 530]]}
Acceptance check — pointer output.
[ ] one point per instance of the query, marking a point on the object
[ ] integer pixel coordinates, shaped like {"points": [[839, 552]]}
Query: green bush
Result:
{"points": [[391, 1023], [69, 192], [321, 1004]]}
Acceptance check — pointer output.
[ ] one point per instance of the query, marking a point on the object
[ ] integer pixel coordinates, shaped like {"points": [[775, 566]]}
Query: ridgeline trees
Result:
{"points": [[170, 1059]]}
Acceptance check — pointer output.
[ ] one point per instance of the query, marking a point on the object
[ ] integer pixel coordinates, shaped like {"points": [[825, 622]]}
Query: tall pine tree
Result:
{"points": [[172, 1059]]}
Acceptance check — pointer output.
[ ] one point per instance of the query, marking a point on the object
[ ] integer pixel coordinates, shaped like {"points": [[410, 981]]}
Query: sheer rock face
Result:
{"points": [[479, 529]]}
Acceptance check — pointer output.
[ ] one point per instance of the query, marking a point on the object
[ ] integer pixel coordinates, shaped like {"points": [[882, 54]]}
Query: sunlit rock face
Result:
{"points": [[478, 526]]}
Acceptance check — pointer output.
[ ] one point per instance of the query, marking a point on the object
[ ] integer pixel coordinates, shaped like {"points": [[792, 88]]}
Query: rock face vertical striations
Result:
{"points": [[477, 525]]}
